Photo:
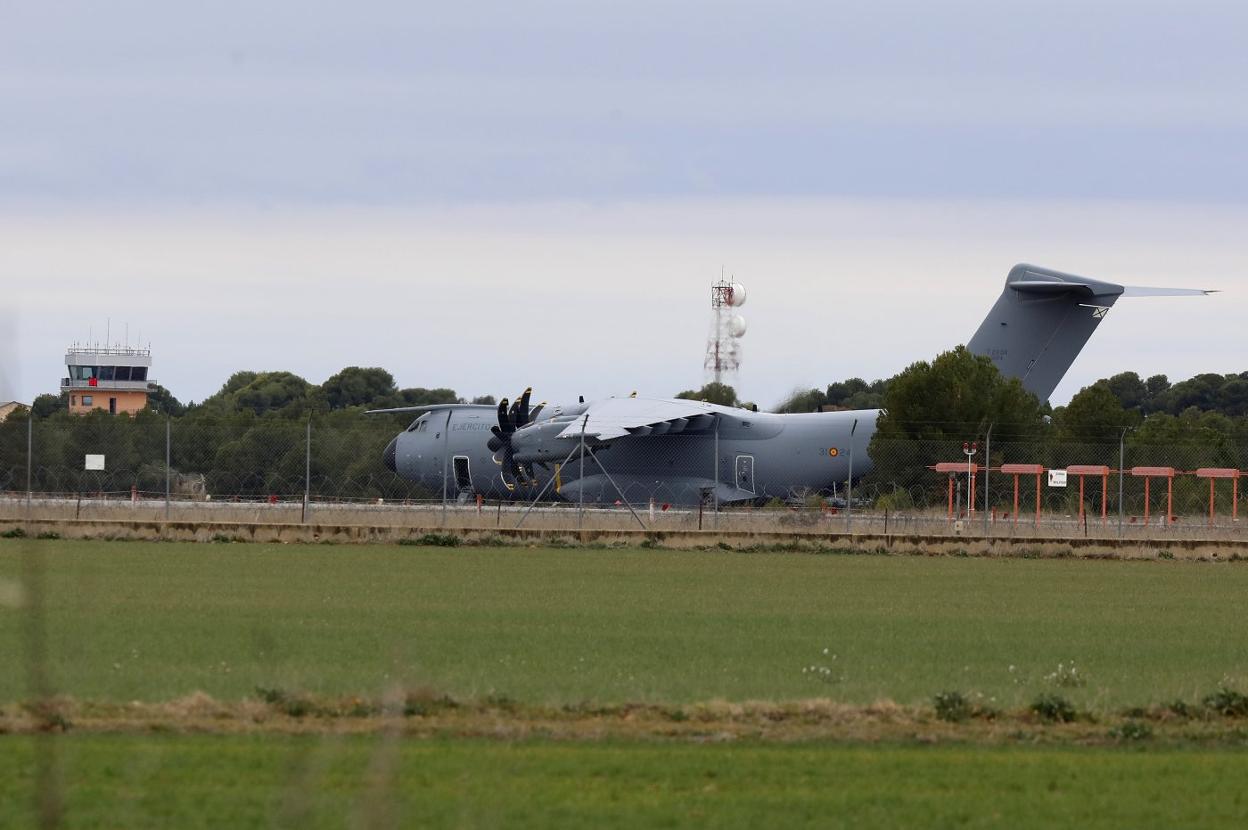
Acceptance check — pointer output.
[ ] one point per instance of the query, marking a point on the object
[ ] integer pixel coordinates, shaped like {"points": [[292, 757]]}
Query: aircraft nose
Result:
{"points": [[387, 457]]}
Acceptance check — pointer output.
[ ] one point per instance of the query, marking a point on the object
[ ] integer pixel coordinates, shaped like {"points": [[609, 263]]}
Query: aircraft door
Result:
{"points": [[463, 474], [745, 473]]}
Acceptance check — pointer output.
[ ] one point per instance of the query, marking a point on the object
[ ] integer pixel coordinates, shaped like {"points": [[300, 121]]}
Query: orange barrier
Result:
{"points": [[952, 468], [1083, 470], [957, 468], [1148, 474], [1215, 473], [1017, 470]]}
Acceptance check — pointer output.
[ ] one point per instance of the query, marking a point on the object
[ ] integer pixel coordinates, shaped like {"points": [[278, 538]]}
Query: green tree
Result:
{"points": [[1157, 385], [47, 405], [718, 393], [354, 386], [162, 400], [1202, 392], [1130, 391], [931, 409], [856, 393], [261, 393], [803, 400], [1095, 415], [420, 396], [956, 396]]}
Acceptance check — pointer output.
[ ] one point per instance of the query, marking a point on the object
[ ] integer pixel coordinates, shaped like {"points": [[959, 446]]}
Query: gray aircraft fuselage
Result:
{"points": [[1034, 332], [760, 456]]}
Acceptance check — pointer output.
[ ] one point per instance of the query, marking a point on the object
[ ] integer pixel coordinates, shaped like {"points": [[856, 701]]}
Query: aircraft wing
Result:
{"points": [[621, 417], [432, 407]]}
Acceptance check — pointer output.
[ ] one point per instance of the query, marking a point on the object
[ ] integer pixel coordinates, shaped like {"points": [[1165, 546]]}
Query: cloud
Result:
{"points": [[599, 299], [308, 104]]}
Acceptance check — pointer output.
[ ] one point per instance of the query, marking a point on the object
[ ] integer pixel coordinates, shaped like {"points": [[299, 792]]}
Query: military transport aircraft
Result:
{"points": [[683, 451]]}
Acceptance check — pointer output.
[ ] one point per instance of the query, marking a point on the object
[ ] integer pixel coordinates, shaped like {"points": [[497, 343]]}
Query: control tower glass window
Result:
{"points": [[121, 373], [106, 373], [138, 373]]}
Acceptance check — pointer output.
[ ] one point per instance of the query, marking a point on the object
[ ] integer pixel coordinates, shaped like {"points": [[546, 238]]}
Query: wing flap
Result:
{"points": [[620, 417]]}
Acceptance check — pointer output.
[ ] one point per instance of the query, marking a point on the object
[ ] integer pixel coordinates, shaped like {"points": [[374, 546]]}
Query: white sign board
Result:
{"points": [[94, 462], [1057, 478]]}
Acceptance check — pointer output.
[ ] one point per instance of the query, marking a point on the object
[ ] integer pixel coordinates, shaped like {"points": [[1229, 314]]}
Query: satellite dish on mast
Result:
{"points": [[736, 326], [737, 297]]}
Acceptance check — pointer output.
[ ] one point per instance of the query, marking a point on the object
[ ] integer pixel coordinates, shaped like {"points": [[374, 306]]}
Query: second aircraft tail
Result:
{"points": [[1042, 320]]}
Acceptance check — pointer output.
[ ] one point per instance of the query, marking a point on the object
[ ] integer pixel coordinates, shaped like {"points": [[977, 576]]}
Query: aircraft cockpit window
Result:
{"points": [[419, 423]]}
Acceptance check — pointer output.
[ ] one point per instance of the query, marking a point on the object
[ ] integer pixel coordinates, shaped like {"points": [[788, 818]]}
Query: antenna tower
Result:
{"points": [[723, 346]]}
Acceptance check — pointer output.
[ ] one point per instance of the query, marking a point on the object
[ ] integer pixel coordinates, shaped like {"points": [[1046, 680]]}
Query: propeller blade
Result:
{"points": [[504, 422], [537, 410], [496, 443], [524, 406], [514, 415]]}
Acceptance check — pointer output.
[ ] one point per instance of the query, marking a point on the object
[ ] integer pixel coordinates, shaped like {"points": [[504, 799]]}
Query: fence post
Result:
{"points": [[849, 484], [987, 473], [580, 483], [168, 454], [30, 444], [1122, 460], [716, 447], [307, 471], [446, 450]]}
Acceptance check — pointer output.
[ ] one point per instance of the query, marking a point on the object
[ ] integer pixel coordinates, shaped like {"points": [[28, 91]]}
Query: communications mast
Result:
{"points": [[723, 347]]}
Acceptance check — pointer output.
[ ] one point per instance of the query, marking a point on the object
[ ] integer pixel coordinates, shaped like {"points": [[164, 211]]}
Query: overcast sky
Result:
{"points": [[486, 196]]}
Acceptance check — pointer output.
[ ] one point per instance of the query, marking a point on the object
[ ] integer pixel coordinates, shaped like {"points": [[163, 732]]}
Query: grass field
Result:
{"points": [[545, 652], [152, 621], [213, 781]]}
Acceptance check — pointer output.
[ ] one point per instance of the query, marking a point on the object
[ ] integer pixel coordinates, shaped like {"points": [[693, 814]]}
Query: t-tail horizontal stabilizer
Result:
{"points": [[1042, 320]]}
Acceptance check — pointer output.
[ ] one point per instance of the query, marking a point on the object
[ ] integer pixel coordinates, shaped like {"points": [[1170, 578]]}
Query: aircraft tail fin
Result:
{"points": [[1042, 320]]}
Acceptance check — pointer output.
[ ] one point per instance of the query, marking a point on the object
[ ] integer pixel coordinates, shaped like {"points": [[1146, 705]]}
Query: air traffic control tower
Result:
{"points": [[113, 379]]}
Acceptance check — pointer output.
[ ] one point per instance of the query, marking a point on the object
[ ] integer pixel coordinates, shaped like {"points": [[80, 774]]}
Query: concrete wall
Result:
{"points": [[287, 533]]}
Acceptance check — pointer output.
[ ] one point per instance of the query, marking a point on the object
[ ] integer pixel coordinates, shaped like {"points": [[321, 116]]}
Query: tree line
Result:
{"points": [[249, 437]]}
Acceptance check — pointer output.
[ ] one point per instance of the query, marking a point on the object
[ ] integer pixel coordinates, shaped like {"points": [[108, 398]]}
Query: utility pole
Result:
{"points": [[307, 471], [30, 444], [987, 472], [716, 496], [580, 482], [446, 449], [969, 449], [168, 453], [849, 484], [1122, 460]]}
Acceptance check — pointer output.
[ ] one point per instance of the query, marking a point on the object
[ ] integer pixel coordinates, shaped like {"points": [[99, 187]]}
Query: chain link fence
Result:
{"points": [[331, 469]]}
